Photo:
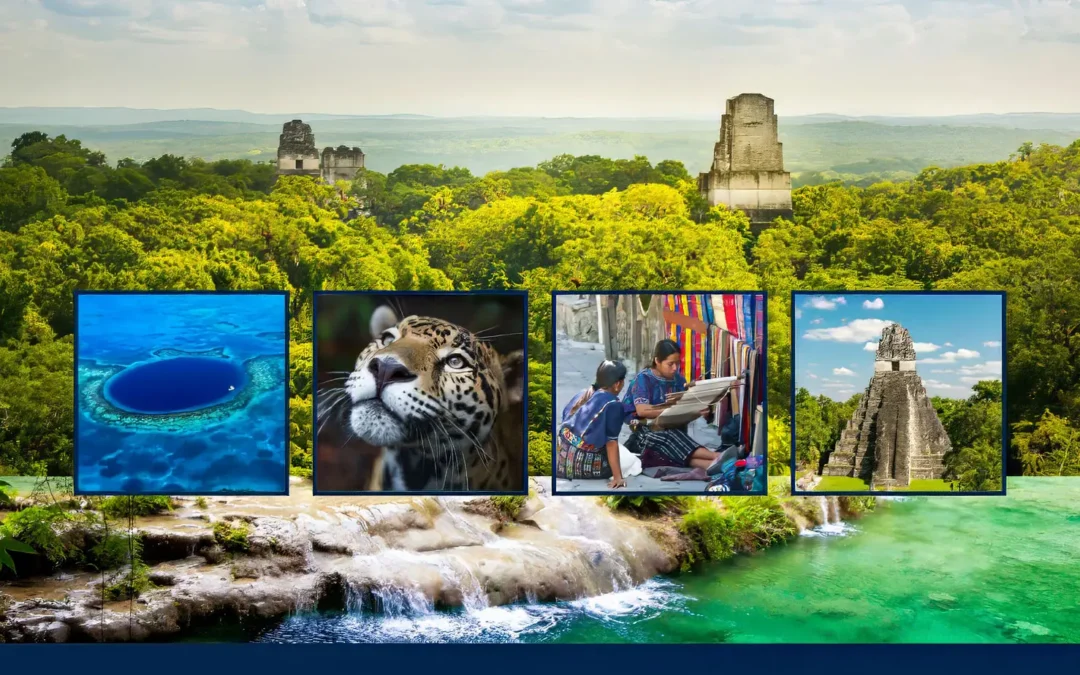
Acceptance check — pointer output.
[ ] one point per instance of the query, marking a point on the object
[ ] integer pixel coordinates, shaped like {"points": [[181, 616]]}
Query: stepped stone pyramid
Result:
{"points": [[895, 434]]}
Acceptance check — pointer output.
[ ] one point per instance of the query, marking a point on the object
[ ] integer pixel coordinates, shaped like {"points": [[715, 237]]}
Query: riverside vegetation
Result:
{"points": [[182, 565], [69, 219]]}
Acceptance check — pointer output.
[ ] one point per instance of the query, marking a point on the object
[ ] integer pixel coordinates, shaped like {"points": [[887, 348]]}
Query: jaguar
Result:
{"points": [[441, 404]]}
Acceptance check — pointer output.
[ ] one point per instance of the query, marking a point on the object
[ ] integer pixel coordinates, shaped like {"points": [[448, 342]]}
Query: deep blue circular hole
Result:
{"points": [[175, 385]]}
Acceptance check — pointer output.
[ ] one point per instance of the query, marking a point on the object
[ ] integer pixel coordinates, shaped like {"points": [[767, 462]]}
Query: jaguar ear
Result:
{"points": [[513, 367], [382, 319]]}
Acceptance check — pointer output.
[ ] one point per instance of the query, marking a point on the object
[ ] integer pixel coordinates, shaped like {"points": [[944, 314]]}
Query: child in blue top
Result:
{"points": [[589, 434]]}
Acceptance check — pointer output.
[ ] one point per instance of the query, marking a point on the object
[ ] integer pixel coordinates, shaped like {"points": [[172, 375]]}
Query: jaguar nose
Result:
{"points": [[388, 371]]}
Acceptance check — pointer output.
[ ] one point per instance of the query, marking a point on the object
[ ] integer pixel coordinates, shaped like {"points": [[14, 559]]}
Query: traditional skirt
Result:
{"points": [[666, 447], [577, 459]]}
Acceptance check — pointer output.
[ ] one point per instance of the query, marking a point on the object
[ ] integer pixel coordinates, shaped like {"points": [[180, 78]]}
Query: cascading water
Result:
{"points": [[831, 523], [432, 581], [413, 585]]}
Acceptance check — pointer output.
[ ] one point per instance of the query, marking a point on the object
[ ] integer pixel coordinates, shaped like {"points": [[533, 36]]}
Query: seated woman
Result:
{"points": [[589, 434], [660, 446]]}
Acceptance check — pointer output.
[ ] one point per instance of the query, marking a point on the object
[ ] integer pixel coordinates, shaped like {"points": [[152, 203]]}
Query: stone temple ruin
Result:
{"points": [[298, 156], [748, 163], [895, 435]]}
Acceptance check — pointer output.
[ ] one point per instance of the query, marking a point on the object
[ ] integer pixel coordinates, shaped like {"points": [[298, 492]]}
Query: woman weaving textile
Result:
{"points": [[660, 446]]}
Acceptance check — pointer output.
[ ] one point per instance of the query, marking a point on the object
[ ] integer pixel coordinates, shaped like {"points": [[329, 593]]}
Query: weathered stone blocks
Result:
{"points": [[895, 435], [748, 162]]}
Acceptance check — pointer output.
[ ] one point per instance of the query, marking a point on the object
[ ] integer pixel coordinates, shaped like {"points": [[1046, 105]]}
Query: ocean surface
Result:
{"points": [[918, 570], [181, 394]]}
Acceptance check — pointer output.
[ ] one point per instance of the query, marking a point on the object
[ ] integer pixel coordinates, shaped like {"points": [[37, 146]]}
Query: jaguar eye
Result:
{"points": [[387, 337], [455, 361]]}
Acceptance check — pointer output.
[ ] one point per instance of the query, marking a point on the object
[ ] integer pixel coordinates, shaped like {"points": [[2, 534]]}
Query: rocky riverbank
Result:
{"points": [[241, 559]]}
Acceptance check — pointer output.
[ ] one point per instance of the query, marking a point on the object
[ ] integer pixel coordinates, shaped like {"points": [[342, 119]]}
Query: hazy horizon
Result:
{"points": [[633, 59], [659, 117]]}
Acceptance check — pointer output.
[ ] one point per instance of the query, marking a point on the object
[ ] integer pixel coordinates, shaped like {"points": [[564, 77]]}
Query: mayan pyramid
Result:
{"points": [[895, 434]]}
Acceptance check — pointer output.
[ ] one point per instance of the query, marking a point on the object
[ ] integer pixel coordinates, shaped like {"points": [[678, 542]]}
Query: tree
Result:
{"points": [[27, 193], [1050, 447]]}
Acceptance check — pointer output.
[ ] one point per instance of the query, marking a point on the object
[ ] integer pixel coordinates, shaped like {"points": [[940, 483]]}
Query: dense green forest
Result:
{"points": [[69, 219]]}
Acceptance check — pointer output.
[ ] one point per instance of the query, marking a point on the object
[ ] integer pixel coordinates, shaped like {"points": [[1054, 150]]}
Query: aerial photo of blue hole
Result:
{"points": [[181, 393]]}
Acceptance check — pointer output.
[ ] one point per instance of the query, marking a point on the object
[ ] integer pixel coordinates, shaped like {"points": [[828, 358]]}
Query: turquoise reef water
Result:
{"points": [[918, 570], [181, 394]]}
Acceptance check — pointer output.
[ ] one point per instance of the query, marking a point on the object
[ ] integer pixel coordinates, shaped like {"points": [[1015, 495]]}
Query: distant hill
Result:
{"points": [[826, 146], [125, 116]]}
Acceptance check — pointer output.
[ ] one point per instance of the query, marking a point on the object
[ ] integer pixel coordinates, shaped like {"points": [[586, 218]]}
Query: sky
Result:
{"points": [[957, 340], [585, 58]]}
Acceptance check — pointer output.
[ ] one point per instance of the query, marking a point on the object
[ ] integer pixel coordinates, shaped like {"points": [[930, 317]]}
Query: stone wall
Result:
{"points": [[636, 331], [577, 318], [341, 163], [748, 162], [887, 366], [298, 156]]}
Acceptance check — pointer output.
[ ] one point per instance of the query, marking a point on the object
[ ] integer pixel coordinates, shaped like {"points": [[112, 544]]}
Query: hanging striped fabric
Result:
{"points": [[706, 351], [687, 354], [759, 323], [740, 311], [748, 318], [748, 302], [669, 304], [731, 322]]}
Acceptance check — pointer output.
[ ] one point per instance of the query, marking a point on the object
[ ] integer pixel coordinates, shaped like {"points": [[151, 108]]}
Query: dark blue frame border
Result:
{"points": [[173, 493], [764, 351], [826, 659], [524, 295], [903, 493]]}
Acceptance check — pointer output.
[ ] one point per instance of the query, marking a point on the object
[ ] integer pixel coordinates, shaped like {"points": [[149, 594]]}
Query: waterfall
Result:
{"points": [[831, 523], [404, 566]]}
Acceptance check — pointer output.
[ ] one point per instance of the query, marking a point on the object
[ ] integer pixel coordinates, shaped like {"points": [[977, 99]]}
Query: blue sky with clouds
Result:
{"points": [[958, 340], [544, 57]]}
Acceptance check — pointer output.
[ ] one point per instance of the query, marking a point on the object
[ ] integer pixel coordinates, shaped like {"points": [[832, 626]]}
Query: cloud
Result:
{"points": [[798, 313], [953, 357], [943, 370], [921, 347], [988, 368], [821, 302], [859, 330], [843, 371], [948, 344], [93, 8], [816, 321], [992, 343], [812, 376], [378, 14], [946, 389], [876, 303], [870, 347], [878, 57]]}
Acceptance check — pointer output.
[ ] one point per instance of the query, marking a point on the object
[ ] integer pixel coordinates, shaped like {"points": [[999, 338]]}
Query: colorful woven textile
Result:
{"points": [[691, 334], [721, 336]]}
